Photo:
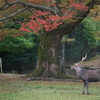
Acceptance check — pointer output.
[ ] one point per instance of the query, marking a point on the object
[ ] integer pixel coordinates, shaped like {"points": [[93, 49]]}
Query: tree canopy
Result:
{"points": [[17, 44], [46, 14]]}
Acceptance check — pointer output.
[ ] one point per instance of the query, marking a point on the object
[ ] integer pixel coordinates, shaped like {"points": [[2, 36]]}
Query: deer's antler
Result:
{"points": [[83, 58]]}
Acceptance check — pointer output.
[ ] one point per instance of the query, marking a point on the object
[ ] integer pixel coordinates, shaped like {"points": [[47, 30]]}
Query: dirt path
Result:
{"points": [[23, 76]]}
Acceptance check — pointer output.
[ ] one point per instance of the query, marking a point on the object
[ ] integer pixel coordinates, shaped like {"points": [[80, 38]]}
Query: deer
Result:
{"points": [[87, 75]]}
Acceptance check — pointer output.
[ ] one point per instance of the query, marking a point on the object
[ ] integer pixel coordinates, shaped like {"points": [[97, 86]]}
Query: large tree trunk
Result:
{"points": [[48, 63], [48, 56]]}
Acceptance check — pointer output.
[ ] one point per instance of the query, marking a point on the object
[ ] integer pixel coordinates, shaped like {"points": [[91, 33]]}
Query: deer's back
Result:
{"points": [[91, 75]]}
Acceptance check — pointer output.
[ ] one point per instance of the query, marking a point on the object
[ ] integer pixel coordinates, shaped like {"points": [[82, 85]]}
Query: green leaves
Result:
{"points": [[90, 32], [16, 44], [87, 38]]}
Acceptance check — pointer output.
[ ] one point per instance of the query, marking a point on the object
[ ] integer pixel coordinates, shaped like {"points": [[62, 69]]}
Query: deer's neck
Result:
{"points": [[79, 71]]}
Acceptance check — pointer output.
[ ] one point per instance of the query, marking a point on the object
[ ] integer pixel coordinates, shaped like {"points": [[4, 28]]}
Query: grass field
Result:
{"points": [[12, 88]]}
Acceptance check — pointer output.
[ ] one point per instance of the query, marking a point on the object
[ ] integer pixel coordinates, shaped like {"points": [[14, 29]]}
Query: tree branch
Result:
{"points": [[79, 17], [14, 14], [35, 6], [9, 4], [5, 6], [28, 5]]}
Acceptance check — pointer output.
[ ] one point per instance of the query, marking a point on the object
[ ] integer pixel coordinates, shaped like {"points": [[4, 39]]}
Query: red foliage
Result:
{"points": [[79, 6], [48, 22], [45, 20]]}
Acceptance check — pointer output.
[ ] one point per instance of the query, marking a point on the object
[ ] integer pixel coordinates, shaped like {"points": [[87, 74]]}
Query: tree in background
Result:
{"points": [[57, 18], [83, 40], [17, 44], [96, 12], [19, 54]]}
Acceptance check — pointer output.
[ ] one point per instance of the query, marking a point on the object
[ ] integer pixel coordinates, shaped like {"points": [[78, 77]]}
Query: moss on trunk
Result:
{"points": [[48, 55]]}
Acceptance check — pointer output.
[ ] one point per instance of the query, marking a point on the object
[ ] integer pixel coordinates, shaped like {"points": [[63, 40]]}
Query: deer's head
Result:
{"points": [[77, 65]]}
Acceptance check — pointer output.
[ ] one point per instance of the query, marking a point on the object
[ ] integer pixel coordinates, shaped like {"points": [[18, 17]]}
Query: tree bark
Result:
{"points": [[48, 55]]}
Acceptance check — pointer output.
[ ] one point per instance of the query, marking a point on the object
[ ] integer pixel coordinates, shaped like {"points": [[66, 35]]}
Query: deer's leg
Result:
{"points": [[87, 85], [84, 87]]}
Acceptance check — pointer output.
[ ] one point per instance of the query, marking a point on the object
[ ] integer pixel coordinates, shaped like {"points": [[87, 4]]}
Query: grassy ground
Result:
{"points": [[14, 88]]}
